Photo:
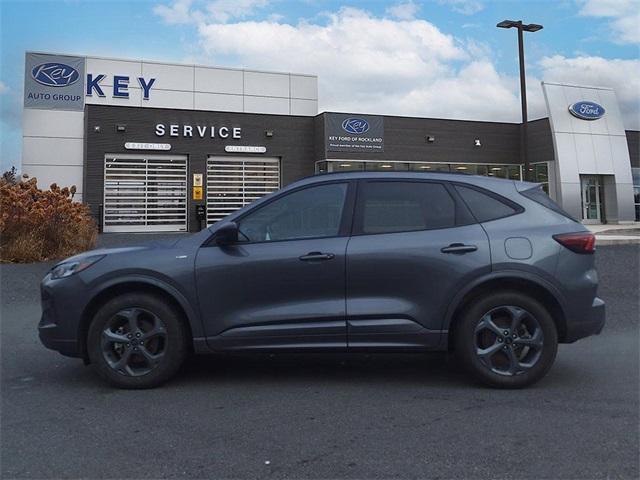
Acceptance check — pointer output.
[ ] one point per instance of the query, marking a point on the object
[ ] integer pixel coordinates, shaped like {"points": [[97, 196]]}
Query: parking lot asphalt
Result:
{"points": [[323, 416]]}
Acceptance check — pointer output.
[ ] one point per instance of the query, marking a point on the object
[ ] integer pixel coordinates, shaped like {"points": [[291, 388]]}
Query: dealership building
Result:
{"points": [[157, 147]]}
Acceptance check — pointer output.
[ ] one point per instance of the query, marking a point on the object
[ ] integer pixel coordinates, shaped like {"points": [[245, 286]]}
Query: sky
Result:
{"points": [[429, 58]]}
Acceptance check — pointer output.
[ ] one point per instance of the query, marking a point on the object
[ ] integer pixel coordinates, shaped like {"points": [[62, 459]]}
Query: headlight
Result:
{"points": [[69, 268]]}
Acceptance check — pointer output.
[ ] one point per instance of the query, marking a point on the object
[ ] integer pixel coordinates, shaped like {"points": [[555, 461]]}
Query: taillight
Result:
{"points": [[583, 242]]}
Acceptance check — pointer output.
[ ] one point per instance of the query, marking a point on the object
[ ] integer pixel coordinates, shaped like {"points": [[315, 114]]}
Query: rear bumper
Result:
{"points": [[590, 323]]}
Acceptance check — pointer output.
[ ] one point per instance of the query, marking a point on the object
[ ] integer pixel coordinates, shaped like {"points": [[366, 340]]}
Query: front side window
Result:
{"points": [[309, 213], [387, 207]]}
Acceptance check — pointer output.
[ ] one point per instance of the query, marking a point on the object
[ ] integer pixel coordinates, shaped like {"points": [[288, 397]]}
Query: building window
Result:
{"points": [[321, 167], [429, 167], [636, 190], [472, 169], [385, 166], [513, 172], [540, 174]]}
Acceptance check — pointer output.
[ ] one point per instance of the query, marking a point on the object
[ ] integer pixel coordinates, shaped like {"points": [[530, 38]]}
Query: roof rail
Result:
{"points": [[389, 171]]}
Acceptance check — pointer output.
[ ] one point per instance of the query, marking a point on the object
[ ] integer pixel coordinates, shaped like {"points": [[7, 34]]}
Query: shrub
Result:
{"points": [[10, 175], [37, 225]]}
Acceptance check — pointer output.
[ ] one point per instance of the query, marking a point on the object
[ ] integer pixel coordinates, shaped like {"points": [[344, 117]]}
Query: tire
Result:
{"points": [[136, 341], [486, 347]]}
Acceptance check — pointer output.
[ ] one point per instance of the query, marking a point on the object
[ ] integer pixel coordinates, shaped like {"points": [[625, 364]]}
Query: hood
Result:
{"points": [[151, 245]]}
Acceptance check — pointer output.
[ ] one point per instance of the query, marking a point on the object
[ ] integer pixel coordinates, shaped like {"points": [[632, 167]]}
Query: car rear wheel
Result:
{"points": [[506, 340], [136, 340]]}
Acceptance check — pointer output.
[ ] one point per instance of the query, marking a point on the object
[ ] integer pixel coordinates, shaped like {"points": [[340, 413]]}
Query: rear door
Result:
{"points": [[414, 245]]}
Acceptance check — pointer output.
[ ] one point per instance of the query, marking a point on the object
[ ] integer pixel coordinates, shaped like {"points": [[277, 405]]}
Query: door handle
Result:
{"points": [[316, 256], [459, 248]]}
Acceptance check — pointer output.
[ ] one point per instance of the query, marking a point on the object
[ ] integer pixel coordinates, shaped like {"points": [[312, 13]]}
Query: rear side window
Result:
{"points": [[484, 206], [387, 207], [538, 195]]}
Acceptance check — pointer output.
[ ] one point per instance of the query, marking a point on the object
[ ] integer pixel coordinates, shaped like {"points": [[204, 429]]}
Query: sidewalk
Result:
{"points": [[628, 233]]}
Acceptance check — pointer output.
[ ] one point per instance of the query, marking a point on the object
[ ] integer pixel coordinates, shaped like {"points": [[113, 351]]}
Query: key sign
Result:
{"points": [[55, 74]]}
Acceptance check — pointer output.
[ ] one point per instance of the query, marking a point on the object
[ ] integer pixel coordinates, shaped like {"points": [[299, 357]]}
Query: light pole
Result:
{"points": [[532, 27]]}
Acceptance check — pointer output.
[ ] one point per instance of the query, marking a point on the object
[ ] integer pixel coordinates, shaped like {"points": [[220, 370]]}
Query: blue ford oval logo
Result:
{"points": [[586, 110], [55, 74], [357, 126]]}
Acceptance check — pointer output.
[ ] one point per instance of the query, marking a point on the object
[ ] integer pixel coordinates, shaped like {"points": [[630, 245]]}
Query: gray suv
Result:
{"points": [[491, 270]]}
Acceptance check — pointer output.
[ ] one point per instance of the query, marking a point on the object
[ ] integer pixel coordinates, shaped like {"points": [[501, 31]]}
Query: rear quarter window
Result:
{"points": [[538, 195], [486, 206]]}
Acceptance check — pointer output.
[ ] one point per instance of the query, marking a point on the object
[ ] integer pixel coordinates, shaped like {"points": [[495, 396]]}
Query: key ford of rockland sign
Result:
{"points": [[57, 82], [350, 133]]}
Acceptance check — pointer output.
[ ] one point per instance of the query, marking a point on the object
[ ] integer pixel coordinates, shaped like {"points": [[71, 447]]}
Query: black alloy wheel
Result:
{"points": [[509, 340], [137, 340], [506, 339], [134, 341]]}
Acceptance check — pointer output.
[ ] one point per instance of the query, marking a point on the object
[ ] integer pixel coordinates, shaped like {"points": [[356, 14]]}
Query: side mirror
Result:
{"points": [[227, 234]]}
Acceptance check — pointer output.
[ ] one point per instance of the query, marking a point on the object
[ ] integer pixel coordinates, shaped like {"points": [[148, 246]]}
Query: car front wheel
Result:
{"points": [[506, 340], [136, 340]]}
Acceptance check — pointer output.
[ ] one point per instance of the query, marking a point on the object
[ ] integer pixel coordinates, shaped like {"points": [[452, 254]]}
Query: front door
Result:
{"points": [[282, 285], [410, 253], [591, 199]]}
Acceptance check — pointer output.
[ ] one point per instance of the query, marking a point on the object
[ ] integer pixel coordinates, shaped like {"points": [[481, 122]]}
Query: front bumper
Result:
{"points": [[49, 337], [591, 322], [61, 313]]}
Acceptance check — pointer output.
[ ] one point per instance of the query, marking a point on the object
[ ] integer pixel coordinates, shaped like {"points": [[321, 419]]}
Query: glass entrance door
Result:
{"points": [[591, 199]]}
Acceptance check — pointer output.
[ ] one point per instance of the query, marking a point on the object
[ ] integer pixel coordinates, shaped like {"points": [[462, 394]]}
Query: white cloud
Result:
{"points": [[465, 7], [385, 65], [403, 11], [621, 75], [224, 10], [606, 8], [177, 13], [372, 64], [624, 17], [188, 11], [3, 88]]}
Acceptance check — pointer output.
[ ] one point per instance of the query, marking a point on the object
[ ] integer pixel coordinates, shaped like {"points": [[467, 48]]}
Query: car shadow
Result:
{"points": [[423, 369]]}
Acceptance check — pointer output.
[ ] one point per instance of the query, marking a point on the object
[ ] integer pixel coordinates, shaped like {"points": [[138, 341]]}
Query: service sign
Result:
{"points": [[54, 82], [354, 133]]}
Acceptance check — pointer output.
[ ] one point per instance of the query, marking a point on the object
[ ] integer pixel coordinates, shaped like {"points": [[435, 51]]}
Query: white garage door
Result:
{"points": [[233, 182], [145, 193]]}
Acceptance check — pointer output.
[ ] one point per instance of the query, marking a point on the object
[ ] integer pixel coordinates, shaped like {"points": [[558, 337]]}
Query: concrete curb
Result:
{"points": [[616, 241]]}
